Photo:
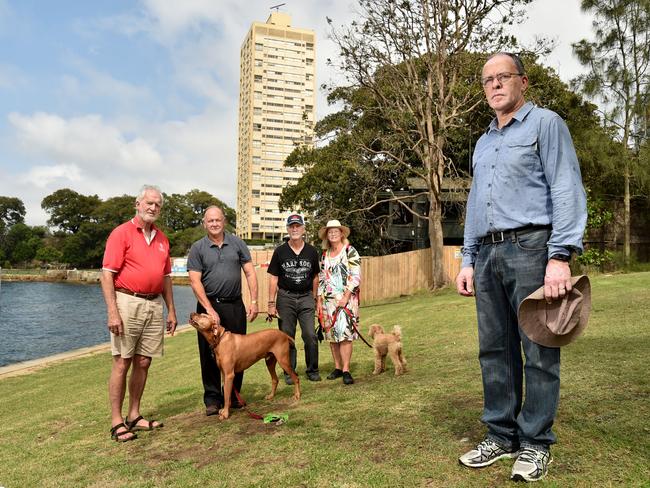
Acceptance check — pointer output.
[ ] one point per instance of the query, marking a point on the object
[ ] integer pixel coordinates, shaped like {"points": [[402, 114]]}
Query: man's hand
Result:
{"points": [[213, 313], [171, 322], [252, 312], [115, 326], [465, 282], [271, 310], [557, 281]]}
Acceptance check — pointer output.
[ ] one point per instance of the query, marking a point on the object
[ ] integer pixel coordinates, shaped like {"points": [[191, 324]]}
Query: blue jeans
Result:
{"points": [[504, 274]]}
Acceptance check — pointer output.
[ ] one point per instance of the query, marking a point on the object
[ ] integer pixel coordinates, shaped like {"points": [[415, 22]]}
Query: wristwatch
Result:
{"points": [[561, 257]]}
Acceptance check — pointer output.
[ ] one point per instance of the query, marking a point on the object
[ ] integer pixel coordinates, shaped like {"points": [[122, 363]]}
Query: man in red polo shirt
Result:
{"points": [[136, 271]]}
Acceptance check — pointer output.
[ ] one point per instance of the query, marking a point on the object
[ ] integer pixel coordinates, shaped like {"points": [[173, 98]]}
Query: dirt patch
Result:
{"points": [[203, 440]]}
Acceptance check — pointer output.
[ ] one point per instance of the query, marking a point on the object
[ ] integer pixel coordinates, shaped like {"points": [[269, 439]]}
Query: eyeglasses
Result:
{"points": [[502, 78]]}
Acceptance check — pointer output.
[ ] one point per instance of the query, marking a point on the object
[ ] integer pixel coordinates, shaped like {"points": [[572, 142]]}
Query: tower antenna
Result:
{"points": [[277, 7]]}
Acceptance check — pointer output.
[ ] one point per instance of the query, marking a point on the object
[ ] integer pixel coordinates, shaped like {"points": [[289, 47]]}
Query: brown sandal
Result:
{"points": [[118, 436], [133, 426]]}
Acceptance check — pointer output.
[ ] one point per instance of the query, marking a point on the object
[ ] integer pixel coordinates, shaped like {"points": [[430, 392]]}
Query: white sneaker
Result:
{"points": [[485, 453], [531, 465]]}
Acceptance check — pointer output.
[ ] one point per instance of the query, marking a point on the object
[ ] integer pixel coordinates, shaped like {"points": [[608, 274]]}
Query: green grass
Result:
{"points": [[380, 432]]}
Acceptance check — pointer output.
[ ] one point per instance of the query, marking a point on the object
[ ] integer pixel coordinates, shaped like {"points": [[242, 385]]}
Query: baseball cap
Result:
{"points": [[295, 219]]}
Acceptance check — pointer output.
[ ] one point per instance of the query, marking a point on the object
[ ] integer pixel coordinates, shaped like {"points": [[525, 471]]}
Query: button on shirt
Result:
{"points": [[139, 265], [220, 267], [526, 173]]}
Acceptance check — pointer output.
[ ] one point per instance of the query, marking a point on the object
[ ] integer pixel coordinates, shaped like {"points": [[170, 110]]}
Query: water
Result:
{"points": [[41, 319]]}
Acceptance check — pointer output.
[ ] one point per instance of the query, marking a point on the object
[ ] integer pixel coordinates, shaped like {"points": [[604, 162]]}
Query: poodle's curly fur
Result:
{"points": [[387, 344]]}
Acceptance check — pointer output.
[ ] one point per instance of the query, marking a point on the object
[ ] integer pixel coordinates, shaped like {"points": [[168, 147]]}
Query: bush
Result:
{"points": [[596, 258]]}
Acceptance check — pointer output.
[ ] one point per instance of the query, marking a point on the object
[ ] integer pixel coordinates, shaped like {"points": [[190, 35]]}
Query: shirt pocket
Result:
{"points": [[483, 156], [523, 154]]}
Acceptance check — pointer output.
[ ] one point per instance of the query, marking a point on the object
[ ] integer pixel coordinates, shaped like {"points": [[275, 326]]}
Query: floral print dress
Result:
{"points": [[338, 273]]}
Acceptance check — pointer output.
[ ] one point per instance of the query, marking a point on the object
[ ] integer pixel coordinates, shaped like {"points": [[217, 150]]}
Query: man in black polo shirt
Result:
{"points": [[294, 277], [214, 266]]}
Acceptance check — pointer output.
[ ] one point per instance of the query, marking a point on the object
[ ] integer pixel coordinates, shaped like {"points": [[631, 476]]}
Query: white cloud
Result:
{"points": [[93, 156], [95, 153], [174, 17], [86, 141], [44, 176]]}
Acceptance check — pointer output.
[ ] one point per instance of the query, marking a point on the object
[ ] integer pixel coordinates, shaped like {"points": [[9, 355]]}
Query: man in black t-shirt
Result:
{"points": [[294, 279]]}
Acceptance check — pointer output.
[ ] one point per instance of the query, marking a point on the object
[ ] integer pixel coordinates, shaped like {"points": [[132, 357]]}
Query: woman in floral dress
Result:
{"points": [[338, 295]]}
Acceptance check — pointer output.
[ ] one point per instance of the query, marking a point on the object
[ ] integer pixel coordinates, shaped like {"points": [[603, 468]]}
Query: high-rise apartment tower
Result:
{"points": [[276, 114]]}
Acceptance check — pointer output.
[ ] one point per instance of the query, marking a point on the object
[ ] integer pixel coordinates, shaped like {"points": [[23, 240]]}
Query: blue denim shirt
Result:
{"points": [[526, 173]]}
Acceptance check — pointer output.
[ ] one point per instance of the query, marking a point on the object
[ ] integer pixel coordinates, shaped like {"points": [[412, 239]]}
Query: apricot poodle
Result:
{"points": [[387, 344]]}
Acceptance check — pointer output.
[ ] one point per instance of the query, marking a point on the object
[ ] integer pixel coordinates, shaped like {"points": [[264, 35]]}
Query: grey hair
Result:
{"points": [[515, 59], [145, 189], [215, 207]]}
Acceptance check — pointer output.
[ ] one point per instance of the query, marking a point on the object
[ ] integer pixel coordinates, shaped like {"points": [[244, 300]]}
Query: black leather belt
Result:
{"points": [[225, 299], [146, 296], [496, 237], [296, 293]]}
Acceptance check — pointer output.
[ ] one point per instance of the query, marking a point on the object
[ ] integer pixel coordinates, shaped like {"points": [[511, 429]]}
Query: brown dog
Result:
{"points": [[237, 352], [387, 344]]}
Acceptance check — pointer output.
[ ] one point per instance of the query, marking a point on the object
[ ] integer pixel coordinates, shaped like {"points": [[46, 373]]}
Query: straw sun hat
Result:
{"points": [[331, 225], [560, 322]]}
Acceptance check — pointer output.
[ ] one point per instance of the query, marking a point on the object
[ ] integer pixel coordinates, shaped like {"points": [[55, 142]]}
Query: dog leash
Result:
{"points": [[242, 402], [346, 311], [321, 327]]}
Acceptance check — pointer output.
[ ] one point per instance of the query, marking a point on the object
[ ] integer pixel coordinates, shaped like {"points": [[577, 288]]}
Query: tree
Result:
{"points": [[69, 209], [12, 211], [340, 178], [186, 211], [345, 174], [619, 64], [49, 254], [22, 243], [199, 201], [412, 56], [181, 240], [114, 211]]}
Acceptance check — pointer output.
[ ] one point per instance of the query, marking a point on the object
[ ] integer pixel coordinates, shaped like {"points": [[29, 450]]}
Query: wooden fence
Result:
{"points": [[382, 277]]}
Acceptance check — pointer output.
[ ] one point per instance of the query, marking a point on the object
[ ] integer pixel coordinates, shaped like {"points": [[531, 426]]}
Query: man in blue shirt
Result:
{"points": [[526, 215]]}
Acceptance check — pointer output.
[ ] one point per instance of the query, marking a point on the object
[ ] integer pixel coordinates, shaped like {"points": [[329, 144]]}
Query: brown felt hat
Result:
{"points": [[560, 322]]}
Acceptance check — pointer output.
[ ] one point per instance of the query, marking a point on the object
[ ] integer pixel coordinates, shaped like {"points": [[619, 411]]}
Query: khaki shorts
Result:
{"points": [[143, 325]]}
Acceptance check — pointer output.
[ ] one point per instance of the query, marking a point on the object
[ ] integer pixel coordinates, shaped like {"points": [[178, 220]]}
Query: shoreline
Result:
{"points": [[70, 276], [32, 365]]}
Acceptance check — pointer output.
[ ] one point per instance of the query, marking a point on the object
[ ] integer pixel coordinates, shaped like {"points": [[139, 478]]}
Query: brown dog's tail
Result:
{"points": [[397, 332]]}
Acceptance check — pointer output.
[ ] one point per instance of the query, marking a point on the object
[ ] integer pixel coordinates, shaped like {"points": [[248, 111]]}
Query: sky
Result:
{"points": [[104, 96]]}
